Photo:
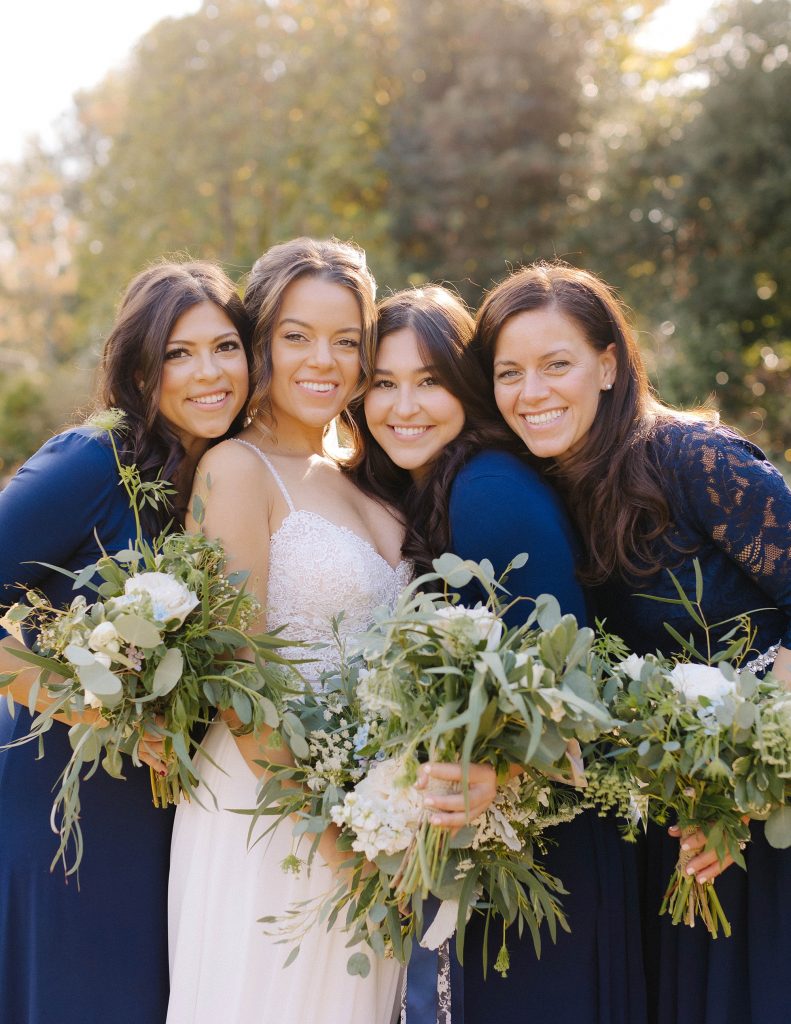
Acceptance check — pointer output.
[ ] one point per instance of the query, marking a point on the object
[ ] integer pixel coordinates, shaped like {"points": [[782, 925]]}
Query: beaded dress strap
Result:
{"points": [[272, 470]]}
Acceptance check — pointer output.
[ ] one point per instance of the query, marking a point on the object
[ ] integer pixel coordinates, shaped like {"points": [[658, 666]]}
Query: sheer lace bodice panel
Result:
{"points": [[317, 569]]}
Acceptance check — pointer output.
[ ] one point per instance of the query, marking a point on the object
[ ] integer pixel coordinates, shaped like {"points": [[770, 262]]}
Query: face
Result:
{"points": [[204, 375], [548, 380], [410, 414], [315, 353]]}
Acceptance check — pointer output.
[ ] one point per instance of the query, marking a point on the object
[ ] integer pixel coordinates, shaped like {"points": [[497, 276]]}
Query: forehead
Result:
{"points": [[312, 299], [399, 352], [539, 330], [204, 318]]}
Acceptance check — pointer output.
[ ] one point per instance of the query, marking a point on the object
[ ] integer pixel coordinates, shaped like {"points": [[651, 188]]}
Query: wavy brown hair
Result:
{"points": [[342, 263], [612, 485], [444, 329], [130, 371]]}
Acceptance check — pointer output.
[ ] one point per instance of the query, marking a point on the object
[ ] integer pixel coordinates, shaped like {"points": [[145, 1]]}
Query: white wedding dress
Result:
{"points": [[224, 969]]}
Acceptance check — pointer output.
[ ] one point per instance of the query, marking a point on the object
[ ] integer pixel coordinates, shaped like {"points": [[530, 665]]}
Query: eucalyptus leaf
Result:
{"points": [[168, 672], [778, 828], [138, 631], [359, 964]]}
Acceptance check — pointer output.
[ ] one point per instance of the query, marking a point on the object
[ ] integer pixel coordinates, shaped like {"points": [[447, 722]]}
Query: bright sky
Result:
{"points": [[49, 49]]}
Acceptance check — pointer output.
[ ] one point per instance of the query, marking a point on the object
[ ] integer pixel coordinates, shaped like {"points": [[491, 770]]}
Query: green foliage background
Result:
{"points": [[450, 138]]}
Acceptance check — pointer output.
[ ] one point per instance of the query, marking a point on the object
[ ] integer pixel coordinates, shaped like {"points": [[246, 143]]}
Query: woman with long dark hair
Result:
{"points": [[93, 947], [434, 442], [652, 489]]}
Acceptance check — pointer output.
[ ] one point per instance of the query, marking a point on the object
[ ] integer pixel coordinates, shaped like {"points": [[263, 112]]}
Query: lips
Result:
{"points": [[318, 387], [409, 432], [210, 400], [541, 419]]}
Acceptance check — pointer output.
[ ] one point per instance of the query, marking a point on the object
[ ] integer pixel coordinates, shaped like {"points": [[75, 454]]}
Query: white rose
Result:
{"points": [[105, 638], [477, 625], [169, 598], [696, 681], [632, 666]]}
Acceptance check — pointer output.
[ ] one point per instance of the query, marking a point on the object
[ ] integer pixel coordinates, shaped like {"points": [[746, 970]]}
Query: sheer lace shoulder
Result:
{"points": [[733, 494]]}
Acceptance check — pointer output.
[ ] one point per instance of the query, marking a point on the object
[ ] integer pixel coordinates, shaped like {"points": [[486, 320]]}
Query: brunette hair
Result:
{"points": [[130, 372], [612, 485], [444, 329], [342, 263]]}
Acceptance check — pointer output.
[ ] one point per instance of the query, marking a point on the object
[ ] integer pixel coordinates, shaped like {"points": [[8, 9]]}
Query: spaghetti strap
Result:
{"points": [[272, 470]]}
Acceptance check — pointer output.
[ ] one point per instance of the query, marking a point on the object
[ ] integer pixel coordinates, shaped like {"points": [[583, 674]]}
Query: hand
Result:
{"points": [[335, 859], [705, 866], [449, 809], [151, 750]]}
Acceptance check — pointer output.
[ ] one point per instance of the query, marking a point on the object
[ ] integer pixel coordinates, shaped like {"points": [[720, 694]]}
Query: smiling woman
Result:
{"points": [[181, 336]]}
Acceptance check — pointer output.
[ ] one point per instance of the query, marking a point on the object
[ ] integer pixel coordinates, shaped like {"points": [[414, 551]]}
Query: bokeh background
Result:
{"points": [[452, 139]]}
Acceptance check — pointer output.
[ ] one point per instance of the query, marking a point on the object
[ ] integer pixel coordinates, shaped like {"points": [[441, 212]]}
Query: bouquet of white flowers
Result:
{"points": [[705, 743], [154, 653], [434, 680]]}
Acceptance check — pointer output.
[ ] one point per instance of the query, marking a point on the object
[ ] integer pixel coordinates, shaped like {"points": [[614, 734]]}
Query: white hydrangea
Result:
{"points": [[382, 813], [696, 681], [467, 628], [170, 600], [632, 666]]}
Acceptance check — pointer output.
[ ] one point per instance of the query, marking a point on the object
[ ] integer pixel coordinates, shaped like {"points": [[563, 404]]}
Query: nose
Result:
{"points": [[406, 402], [208, 366], [321, 354], [534, 387]]}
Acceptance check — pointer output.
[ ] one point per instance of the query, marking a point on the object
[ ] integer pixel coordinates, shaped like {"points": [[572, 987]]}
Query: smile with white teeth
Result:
{"points": [[409, 431], [320, 387], [213, 399], [538, 419]]}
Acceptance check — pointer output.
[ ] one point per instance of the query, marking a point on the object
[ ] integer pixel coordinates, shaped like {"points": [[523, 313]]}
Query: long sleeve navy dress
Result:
{"points": [[500, 507], [731, 510], [92, 950]]}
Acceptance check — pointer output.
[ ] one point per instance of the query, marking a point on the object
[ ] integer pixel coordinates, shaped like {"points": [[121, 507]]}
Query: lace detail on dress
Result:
{"points": [[318, 569]]}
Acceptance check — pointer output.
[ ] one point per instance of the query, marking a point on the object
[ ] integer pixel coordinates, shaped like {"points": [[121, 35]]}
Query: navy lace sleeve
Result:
{"points": [[60, 501], [733, 495], [500, 507]]}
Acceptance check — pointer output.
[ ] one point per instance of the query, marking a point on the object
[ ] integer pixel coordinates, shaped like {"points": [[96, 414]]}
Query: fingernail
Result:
{"points": [[686, 846], [426, 769], [429, 801], [436, 820], [690, 871]]}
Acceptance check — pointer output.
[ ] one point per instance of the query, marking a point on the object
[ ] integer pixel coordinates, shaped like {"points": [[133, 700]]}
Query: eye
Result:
{"points": [[295, 336], [384, 384], [229, 345], [348, 342], [507, 375], [559, 365], [175, 353], [430, 382]]}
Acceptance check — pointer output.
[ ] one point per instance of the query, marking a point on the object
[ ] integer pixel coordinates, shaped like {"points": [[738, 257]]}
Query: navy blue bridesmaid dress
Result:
{"points": [[500, 507], [731, 510], [93, 949]]}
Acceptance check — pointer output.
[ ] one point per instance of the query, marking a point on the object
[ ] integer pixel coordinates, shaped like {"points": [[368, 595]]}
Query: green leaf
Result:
{"points": [[138, 631], [101, 681], [453, 570], [359, 963], [168, 672], [520, 560], [778, 828], [547, 611]]}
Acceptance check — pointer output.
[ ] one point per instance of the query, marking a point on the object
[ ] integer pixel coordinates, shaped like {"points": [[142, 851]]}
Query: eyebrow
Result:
{"points": [[303, 323], [218, 337], [430, 367], [546, 355]]}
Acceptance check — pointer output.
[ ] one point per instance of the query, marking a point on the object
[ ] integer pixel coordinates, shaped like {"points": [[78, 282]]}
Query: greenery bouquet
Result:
{"points": [[434, 680], [704, 744], [153, 654]]}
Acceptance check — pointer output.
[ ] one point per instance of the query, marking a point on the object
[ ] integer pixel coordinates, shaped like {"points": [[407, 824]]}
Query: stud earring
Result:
{"points": [[607, 387]]}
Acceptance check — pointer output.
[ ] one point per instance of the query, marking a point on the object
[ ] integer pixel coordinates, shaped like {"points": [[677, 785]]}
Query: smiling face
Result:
{"points": [[315, 354], [409, 413], [204, 375], [548, 380]]}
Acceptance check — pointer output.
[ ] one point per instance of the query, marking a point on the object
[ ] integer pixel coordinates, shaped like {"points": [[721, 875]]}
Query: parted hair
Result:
{"points": [[130, 371], [443, 327], [342, 263], [612, 485]]}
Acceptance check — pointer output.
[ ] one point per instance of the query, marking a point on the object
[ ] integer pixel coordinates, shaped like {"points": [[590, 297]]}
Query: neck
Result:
{"points": [[283, 439]]}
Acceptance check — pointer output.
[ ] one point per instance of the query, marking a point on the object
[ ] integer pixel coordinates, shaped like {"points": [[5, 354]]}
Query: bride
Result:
{"points": [[314, 545]]}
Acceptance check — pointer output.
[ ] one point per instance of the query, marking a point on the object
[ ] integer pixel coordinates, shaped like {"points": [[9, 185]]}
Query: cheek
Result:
{"points": [[501, 398]]}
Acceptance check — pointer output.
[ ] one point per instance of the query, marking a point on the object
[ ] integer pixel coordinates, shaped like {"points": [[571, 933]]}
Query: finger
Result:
{"points": [[694, 841], [710, 873], [153, 762], [451, 771], [675, 831], [454, 820]]}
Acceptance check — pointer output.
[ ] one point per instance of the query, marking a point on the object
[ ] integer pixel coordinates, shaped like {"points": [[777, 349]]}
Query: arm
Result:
{"points": [[239, 507], [498, 510]]}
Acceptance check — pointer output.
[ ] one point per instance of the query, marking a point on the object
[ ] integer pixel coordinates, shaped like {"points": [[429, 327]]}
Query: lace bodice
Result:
{"points": [[317, 569], [730, 510]]}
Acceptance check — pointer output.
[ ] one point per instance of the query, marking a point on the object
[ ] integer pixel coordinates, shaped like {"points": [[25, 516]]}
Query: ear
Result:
{"points": [[608, 367]]}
